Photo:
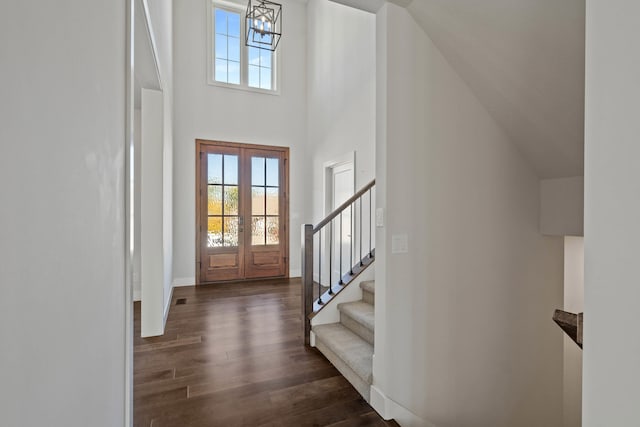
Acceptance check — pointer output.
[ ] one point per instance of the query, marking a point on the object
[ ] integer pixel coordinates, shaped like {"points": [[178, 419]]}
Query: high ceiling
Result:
{"points": [[524, 60]]}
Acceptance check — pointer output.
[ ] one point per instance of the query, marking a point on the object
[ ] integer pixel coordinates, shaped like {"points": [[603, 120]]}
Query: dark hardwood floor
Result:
{"points": [[232, 355]]}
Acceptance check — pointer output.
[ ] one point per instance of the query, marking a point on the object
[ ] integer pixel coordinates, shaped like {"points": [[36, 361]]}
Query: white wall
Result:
{"points": [[470, 305], [218, 113], [137, 140], [62, 134], [160, 13], [612, 209], [152, 259], [562, 206], [341, 53], [574, 303]]}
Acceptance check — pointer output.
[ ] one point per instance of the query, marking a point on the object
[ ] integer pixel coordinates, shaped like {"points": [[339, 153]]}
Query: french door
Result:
{"points": [[241, 211]]}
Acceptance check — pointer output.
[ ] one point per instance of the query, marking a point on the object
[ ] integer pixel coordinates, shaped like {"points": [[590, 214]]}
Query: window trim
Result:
{"points": [[244, 52]]}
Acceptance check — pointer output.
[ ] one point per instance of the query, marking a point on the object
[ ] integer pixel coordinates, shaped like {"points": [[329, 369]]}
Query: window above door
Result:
{"points": [[231, 63]]}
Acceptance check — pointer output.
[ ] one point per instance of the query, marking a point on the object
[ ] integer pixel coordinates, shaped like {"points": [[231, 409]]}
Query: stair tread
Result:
{"points": [[360, 311], [353, 350], [369, 286]]}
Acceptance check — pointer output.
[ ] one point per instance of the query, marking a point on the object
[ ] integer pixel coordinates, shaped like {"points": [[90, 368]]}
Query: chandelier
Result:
{"points": [[264, 24]]}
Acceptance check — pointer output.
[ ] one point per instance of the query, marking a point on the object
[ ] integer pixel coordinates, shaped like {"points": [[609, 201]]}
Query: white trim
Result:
{"points": [[244, 52], [152, 40], [327, 167], [312, 339], [179, 282], [167, 307], [391, 410], [137, 294], [129, 207]]}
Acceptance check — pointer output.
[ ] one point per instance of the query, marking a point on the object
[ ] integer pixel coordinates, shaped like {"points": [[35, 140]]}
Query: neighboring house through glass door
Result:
{"points": [[241, 211]]}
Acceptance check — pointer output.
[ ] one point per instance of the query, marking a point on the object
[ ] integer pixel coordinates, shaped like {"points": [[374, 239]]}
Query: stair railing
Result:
{"points": [[350, 228]]}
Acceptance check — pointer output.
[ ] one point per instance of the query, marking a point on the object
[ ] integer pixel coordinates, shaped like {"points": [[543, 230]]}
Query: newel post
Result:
{"points": [[307, 280]]}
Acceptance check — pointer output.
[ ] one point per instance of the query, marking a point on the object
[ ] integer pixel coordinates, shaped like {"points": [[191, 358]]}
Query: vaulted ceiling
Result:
{"points": [[524, 60]]}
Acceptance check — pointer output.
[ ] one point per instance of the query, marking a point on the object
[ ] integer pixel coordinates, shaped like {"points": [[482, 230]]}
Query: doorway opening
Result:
{"points": [[242, 211]]}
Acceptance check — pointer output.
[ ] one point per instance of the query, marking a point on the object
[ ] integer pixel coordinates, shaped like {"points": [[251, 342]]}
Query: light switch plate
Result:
{"points": [[399, 244]]}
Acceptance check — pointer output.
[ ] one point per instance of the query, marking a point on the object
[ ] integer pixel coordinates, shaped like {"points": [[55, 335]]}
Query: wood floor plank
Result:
{"points": [[232, 355]]}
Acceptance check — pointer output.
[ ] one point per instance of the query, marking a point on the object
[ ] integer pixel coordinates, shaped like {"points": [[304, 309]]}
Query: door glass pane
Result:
{"points": [[230, 200], [214, 232], [257, 171], [272, 172], [230, 169], [231, 231], [272, 201], [273, 231], [215, 168], [215, 200], [257, 200], [257, 230]]}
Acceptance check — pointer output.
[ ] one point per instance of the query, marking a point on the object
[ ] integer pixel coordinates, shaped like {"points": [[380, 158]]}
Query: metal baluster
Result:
{"points": [[340, 243], [320, 267], [361, 264], [351, 239], [330, 257], [370, 222]]}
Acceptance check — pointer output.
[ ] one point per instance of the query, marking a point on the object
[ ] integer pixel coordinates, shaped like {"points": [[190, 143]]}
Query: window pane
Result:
{"points": [[257, 171], [234, 49], [254, 76], [265, 78], [234, 72], [221, 21], [214, 164], [215, 200], [221, 46], [272, 172], [221, 70], [230, 200], [257, 231], [234, 24], [231, 231], [254, 56], [265, 58], [230, 169], [273, 231], [272, 201], [257, 200], [214, 232]]}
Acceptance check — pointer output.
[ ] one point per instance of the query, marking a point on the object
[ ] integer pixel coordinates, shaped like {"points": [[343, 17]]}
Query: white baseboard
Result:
{"points": [[295, 273], [167, 307], [388, 409], [312, 339], [137, 294], [183, 281]]}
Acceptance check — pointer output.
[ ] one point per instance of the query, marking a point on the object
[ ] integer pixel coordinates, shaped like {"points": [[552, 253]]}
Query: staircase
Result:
{"points": [[348, 345]]}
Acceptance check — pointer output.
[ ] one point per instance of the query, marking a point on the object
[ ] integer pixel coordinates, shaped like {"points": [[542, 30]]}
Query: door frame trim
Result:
{"points": [[200, 143], [327, 170]]}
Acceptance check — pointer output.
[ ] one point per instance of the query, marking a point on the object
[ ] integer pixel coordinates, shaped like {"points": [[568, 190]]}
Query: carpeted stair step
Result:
{"points": [[358, 316], [368, 291], [349, 353]]}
